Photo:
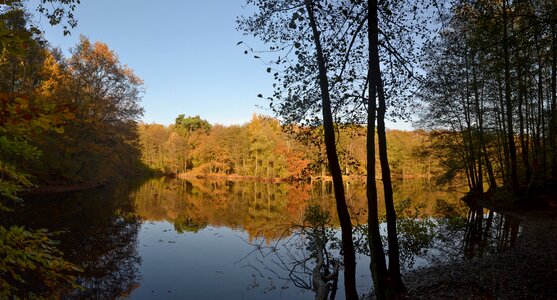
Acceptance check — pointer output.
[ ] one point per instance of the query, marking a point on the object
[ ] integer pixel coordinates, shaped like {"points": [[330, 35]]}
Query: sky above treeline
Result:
{"points": [[185, 51]]}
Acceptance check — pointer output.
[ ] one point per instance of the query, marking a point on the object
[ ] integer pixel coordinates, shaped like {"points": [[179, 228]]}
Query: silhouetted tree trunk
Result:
{"points": [[336, 173], [394, 283], [553, 122], [378, 265], [508, 102]]}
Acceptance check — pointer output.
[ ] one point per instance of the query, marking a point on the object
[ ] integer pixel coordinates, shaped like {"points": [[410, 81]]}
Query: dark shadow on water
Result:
{"points": [[98, 230]]}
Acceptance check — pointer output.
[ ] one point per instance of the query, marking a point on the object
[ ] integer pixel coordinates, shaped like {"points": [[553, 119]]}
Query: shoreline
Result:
{"points": [[526, 271], [47, 189]]}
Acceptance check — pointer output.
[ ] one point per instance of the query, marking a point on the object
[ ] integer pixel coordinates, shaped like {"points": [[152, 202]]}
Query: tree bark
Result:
{"points": [[509, 104], [334, 166], [553, 118], [377, 265], [395, 284]]}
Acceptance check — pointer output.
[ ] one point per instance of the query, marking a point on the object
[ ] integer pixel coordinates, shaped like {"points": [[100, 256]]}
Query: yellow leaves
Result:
{"points": [[69, 115], [21, 115], [59, 130], [23, 103]]}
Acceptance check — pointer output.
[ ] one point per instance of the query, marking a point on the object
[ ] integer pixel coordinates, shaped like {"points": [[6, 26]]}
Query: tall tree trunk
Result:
{"points": [[478, 103], [539, 142], [502, 129], [336, 173], [553, 122], [508, 103], [523, 141], [395, 283], [377, 265]]}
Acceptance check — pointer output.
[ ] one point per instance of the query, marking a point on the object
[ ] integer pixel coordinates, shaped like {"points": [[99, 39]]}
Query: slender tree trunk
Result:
{"points": [[553, 122], [508, 103], [336, 173], [377, 265], [396, 285], [481, 135], [505, 167], [523, 142], [539, 142], [394, 253], [480, 130]]}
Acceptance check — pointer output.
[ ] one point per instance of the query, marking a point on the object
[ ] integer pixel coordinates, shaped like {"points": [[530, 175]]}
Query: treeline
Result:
{"points": [[263, 148], [490, 93]]}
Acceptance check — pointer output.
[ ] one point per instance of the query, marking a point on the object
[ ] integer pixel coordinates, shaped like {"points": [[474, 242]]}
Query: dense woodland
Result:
{"points": [[81, 110], [490, 92], [264, 149]]}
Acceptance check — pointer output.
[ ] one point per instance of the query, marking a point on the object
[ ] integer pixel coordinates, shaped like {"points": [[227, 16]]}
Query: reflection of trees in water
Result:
{"points": [[308, 258], [453, 233], [475, 233], [100, 233], [488, 233], [258, 207], [111, 259], [111, 262]]}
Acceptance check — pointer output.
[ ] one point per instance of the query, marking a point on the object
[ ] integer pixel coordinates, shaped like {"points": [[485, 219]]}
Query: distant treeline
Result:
{"points": [[263, 148]]}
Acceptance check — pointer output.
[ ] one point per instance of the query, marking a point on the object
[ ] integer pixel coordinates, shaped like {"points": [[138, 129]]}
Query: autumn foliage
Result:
{"points": [[264, 149]]}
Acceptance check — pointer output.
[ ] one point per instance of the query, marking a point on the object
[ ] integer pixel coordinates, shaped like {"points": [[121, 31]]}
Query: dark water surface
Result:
{"points": [[167, 238]]}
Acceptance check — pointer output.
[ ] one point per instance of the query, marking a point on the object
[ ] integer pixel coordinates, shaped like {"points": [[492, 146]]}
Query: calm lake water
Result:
{"points": [[177, 239]]}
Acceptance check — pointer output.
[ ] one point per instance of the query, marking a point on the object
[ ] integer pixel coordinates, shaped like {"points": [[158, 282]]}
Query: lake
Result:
{"points": [[196, 239]]}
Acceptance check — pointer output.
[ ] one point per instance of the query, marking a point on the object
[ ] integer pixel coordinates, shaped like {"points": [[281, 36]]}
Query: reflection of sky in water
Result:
{"points": [[203, 265], [215, 263]]}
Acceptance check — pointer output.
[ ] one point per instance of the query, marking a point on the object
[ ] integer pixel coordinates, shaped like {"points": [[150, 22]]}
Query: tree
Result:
{"points": [[496, 59], [330, 145], [187, 127], [345, 49], [28, 257], [104, 96], [295, 26]]}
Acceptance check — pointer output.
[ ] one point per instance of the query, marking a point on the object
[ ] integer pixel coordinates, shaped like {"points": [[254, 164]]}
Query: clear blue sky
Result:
{"points": [[184, 50]]}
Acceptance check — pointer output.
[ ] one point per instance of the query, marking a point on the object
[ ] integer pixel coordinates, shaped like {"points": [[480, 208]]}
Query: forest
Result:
{"points": [[264, 149], [478, 77]]}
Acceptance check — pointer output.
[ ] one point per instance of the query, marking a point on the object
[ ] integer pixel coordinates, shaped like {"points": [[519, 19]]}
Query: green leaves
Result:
{"points": [[31, 256]]}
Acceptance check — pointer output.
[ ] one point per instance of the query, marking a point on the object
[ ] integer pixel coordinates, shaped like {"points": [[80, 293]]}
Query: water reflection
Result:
{"points": [[178, 237], [488, 232], [469, 231], [98, 231], [309, 258], [259, 207]]}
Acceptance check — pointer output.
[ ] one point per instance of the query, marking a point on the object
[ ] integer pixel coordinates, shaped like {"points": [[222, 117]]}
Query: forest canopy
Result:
{"points": [[263, 148]]}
